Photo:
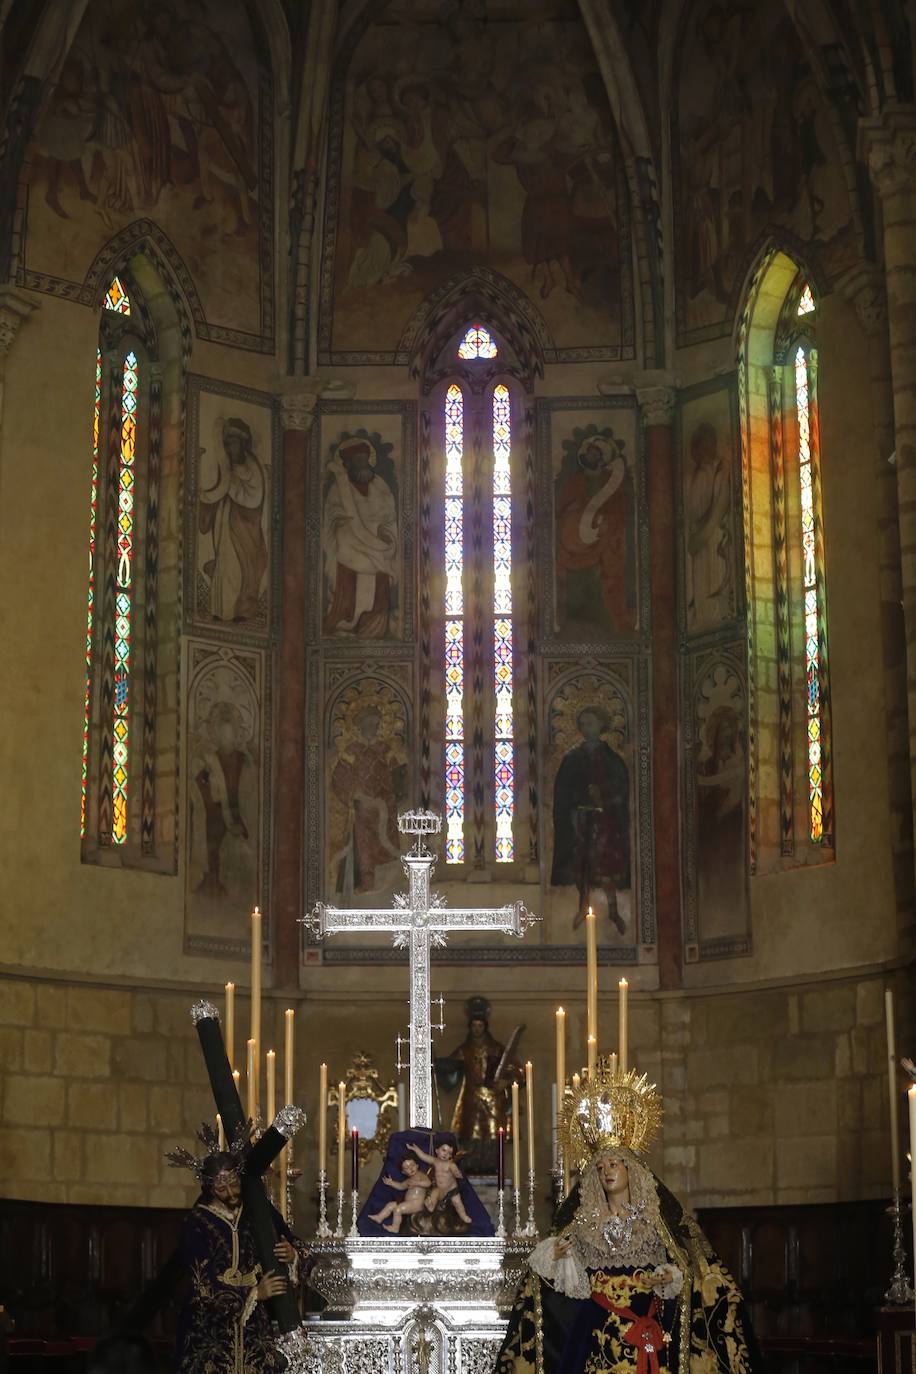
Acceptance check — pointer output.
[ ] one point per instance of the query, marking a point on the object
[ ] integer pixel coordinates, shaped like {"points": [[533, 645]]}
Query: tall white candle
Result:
{"points": [[341, 1132], [250, 1071], [554, 1135], [323, 1119], [892, 1087], [255, 1032], [561, 1054], [288, 1053], [592, 1057], [623, 1030], [516, 1132], [402, 1107], [529, 1106], [591, 986], [230, 1024]]}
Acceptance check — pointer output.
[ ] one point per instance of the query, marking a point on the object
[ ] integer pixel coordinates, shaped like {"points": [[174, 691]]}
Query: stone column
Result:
{"points": [[657, 406], [298, 408], [864, 287], [888, 143]]}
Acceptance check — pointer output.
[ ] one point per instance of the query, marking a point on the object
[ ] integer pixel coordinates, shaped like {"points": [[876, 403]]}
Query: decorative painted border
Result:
{"points": [[235, 634], [216, 945], [407, 469], [733, 654], [619, 645]]}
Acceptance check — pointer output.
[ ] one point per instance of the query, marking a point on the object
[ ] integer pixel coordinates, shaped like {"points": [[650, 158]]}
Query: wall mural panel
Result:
{"points": [[717, 917], [460, 143], [225, 793], [753, 147], [596, 817], [232, 508], [710, 496], [594, 588], [366, 784], [160, 126], [363, 482]]}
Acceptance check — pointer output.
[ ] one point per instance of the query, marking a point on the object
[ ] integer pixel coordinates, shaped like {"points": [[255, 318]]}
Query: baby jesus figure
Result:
{"points": [[446, 1174], [416, 1186]]}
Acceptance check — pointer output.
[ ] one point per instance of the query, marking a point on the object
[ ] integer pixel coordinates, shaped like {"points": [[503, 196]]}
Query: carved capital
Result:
{"points": [[887, 143], [863, 287], [298, 401], [15, 306], [656, 404]]}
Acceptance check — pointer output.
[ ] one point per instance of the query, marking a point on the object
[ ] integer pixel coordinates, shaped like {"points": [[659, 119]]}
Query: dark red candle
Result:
{"points": [[354, 1162], [501, 1159]]}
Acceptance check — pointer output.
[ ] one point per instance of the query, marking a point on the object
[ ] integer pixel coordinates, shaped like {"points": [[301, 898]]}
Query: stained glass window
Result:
{"points": [[124, 597], [90, 609], [504, 761], [806, 302], [809, 560], [117, 299], [477, 343], [454, 625]]}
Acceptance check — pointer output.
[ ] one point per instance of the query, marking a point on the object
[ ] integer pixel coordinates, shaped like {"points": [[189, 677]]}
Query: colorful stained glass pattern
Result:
{"points": [[116, 298], [124, 598], [90, 608], [504, 747], [454, 625], [477, 343], [806, 302], [812, 642]]}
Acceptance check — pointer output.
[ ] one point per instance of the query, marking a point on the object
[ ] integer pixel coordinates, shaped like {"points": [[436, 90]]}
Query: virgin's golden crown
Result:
{"points": [[610, 1111]]}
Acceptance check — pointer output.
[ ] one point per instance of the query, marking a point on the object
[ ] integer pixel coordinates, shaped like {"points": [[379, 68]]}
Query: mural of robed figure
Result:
{"points": [[591, 818], [595, 554], [231, 511], [360, 544]]}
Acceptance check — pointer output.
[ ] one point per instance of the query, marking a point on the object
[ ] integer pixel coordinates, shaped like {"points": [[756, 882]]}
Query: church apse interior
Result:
{"points": [[503, 409]]}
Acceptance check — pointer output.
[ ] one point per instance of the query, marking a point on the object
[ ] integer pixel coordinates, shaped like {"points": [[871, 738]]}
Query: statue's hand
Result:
{"points": [[560, 1248]]}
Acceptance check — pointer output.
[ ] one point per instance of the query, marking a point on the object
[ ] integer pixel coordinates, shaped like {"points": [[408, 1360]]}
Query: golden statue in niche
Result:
{"points": [[486, 1069]]}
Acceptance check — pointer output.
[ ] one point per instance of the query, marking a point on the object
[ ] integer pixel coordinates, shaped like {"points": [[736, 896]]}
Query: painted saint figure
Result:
{"points": [[231, 511], [369, 781], [220, 765], [708, 533], [594, 537], [360, 544], [591, 818], [721, 840]]}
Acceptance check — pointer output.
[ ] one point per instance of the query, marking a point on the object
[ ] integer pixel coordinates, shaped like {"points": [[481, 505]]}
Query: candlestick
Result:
{"points": [[354, 1208], [230, 1024], [530, 1228], [322, 1118], [592, 1057], [354, 1160], [501, 1215], [892, 1087], [249, 1080], [288, 1053], [501, 1158], [623, 1025], [516, 1132], [591, 984], [341, 1135], [323, 1230], [255, 1032], [340, 1212], [529, 1107], [271, 1085], [220, 1133], [517, 1201], [900, 1292]]}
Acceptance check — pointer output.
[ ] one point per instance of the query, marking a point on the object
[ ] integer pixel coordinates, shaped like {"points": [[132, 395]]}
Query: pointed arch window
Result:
{"points": [[479, 625], [792, 806], [119, 705]]}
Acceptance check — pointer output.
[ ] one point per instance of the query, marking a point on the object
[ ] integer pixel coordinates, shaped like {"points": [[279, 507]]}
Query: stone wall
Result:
{"points": [[773, 1095]]}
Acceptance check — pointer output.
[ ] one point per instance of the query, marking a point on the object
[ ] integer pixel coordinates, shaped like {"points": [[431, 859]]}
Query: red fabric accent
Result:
{"points": [[644, 1332]]}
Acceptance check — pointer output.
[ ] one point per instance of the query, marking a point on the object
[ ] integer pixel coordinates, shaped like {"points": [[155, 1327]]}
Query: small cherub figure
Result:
{"points": [[416, 1185], [446, 1174]]}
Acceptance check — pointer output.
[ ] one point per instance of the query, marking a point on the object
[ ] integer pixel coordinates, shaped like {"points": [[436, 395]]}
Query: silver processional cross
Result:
{"points": [[419, 919]]}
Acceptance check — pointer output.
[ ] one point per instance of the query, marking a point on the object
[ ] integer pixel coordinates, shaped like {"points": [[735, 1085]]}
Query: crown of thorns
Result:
{"points": [[237, 1149]]}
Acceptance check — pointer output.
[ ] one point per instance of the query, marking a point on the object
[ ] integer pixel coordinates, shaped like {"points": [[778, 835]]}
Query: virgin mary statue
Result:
{"points": [[628, 1283]]}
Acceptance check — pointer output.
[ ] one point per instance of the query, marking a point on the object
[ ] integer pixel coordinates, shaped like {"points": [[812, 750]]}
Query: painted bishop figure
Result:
{"points": [[419, 919]]}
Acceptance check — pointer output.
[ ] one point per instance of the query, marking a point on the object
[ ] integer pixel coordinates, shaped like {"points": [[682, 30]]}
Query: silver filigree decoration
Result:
{"points": [[401, 901], [203, 1011], [289, 1120], [401, 939], [296, 1348], [438, 938], [314, 921], [437, 901]]}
